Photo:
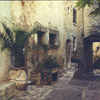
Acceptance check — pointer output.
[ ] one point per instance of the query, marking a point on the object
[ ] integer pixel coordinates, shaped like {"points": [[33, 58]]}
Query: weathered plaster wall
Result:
{"points": [[74, 30], [24, 15], [70, 28], [5, 17], [49, 14]]}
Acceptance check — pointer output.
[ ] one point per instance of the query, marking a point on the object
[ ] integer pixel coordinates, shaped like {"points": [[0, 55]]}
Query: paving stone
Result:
{"points": [[78, 83], [64, 95], [7, 88], [85, 88], [90, 95], [33, 92]]}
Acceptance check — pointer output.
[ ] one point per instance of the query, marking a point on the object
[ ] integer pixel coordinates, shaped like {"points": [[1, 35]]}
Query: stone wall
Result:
{"points": [[5, 58], [91, 34], [91, 23], [52, 17], [74, 31]]}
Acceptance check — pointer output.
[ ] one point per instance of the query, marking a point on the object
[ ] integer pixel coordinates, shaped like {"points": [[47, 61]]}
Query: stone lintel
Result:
{"points": [[42, 29], [53, 31]]}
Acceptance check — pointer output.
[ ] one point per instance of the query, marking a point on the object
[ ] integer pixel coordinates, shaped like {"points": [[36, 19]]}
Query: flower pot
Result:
{"points": [[46, 77], [36, 78], [55, 75], [19, 77]]}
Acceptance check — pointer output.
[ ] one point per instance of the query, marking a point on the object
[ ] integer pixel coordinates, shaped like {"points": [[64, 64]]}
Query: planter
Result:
{"points": [[55, 75], [51, 77], [46, 77], [36, 78], [19, 77]]}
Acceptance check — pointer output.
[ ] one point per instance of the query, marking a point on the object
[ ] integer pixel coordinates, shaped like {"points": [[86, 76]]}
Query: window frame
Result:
{"points": [[74, 16]]}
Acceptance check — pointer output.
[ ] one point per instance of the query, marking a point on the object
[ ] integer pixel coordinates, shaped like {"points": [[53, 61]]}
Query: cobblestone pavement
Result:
{"points": [[85, 88]]}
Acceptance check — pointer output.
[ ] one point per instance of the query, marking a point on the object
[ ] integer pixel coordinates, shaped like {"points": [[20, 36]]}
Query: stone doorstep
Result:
{"points": [[7, 88]]}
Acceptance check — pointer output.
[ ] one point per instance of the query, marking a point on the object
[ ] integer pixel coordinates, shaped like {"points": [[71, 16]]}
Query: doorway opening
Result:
{"points": [[68, 48], [96, 55], [91, 53]]}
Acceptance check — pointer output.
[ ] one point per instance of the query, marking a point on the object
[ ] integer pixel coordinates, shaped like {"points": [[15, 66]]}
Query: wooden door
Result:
{"points": [[68, 47]]}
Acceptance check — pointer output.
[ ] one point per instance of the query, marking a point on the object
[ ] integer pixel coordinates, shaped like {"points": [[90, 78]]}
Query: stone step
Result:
{"points": [[7, 89]]}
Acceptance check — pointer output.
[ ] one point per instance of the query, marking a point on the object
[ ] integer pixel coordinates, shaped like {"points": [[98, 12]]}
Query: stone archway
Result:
{"points": [[88, 51]]}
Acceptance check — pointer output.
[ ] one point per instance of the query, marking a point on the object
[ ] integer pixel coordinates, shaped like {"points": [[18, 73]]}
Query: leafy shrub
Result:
{"points": [[15, 41], [49, 63]]}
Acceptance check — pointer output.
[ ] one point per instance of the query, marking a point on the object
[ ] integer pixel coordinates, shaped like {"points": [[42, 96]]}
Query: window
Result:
{"points": [[74, 44], [52, 39], [68, 49], [23, 2], [40, 37], [74, 16], [68, 9]]}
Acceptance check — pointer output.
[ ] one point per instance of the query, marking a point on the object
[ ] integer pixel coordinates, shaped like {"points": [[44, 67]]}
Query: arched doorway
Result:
{"points": [[68, 49], [89, 52]]}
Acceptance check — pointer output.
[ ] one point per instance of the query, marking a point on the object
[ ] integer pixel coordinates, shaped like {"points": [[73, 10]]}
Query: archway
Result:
{"points": [[88, 51]]}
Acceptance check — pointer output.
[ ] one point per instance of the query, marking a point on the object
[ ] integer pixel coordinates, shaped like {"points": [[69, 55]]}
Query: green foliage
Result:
{"points": [[21, 39], [7, 39], [17, 46], [49, 63], [96, 12], [82, 3]]}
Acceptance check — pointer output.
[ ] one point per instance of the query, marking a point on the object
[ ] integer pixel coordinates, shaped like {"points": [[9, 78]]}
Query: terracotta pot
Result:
{"points": [[36, 78]]}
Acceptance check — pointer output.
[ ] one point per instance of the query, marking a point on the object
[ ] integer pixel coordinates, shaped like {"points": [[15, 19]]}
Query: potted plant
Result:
{"points": [[47, 68], [15, 41], [51, 63]]}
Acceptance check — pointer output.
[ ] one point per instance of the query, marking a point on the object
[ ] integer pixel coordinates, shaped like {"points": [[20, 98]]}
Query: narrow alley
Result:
{"points": [[50, 50]]}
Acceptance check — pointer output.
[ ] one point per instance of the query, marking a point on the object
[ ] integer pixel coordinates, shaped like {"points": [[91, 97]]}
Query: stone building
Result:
{"points": [[91, 35], [60, 24]]}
